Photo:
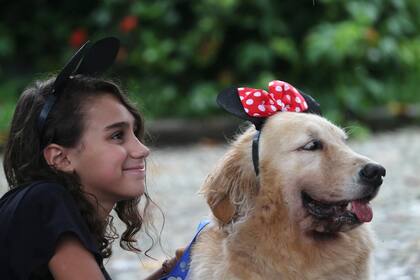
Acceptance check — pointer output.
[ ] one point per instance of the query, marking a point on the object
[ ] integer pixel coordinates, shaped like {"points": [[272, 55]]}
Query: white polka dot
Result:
{"points": [[305, 104], [256, 115], [270, 83], [297, 109], [246, 110], [286, 87], [297, 99], [261, 108], [271, 102], [241, 97], [241, 88], [280, 103], [257, 94], [273, 108], [279, 88], [247, 93], [288, 98], [250, 101]]}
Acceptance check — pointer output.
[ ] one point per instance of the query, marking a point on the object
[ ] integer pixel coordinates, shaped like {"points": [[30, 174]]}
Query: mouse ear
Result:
{"points": [[229, 100], [313, 106], [71, 66], [99, 57], [88, 60]]}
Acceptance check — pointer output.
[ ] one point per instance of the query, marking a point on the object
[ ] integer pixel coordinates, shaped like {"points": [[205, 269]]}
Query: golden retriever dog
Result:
{"points": [[303, 217]]}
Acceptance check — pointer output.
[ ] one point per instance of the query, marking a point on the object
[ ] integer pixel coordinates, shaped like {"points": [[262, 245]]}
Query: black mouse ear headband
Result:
{"points": [[256, 105], [89, 60]]}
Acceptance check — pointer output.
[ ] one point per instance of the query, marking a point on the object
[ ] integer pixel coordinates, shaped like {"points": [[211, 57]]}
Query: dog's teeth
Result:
{"points": [[348, 207]]}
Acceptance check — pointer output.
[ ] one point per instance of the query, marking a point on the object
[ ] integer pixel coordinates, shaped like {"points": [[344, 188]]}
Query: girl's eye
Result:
{"points": [[313, 146], [117, 135]]}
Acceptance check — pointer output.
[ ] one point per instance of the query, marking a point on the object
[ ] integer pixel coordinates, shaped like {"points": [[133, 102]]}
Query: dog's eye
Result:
{"points": [[313, 146]]}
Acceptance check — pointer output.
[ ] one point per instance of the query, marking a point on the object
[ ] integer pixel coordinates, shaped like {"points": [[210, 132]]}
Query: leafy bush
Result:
{"points": [[176, 55]]}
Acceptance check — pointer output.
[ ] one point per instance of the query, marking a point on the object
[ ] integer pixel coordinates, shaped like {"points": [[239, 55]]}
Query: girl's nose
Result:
{"points": [[138, 149]]}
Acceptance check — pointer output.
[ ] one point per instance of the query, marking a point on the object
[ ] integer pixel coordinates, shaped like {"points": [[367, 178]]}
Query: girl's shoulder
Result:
{"points": [[47, 206], [45, 188], [46, 209], [37, 205], [32, 196], [33, 218], [37, 189]]}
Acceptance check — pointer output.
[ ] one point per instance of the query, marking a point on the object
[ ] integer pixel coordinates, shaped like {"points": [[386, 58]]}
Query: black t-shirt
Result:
{"points": [[32, 218]]}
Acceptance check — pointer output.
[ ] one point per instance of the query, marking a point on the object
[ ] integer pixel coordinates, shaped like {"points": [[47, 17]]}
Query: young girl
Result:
{"points": [[65, 178]]}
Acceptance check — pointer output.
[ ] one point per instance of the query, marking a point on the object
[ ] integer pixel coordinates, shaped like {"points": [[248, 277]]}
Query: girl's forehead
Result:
{"points": [[106, 109]]}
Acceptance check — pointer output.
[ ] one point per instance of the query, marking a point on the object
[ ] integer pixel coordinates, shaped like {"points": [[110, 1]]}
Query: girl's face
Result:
{"points": [[109, 158]]}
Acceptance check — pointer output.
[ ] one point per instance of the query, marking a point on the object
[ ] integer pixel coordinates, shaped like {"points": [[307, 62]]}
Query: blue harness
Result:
{"points": [[182, 267]]}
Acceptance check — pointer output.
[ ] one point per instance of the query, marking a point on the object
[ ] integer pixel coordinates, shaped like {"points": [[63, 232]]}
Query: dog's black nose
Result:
{"points": [[372, 174]]}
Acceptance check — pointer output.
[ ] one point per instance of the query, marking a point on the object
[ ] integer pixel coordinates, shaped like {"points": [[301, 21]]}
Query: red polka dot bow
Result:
{"points": [[281, 97]]}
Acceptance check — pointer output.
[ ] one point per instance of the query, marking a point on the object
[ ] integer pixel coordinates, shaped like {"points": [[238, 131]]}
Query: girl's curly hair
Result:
{"points": [[24, 161]]}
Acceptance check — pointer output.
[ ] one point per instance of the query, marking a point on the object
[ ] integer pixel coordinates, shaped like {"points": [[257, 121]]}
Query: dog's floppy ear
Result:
{"points": [[230, 187], [223, 210]]}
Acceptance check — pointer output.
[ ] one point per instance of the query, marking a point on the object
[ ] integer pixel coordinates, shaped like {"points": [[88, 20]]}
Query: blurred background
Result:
{"points": [[359, 59]]}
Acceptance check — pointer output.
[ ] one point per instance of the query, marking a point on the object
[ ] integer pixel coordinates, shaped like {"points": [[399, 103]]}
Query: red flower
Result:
{"points": [[78, 37], [128, 23]]}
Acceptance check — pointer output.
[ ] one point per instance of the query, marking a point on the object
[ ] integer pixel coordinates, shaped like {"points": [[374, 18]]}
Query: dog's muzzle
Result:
{"points": [[347, 214]]}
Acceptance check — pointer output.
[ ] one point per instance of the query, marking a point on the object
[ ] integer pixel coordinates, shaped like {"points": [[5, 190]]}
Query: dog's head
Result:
{"points": [[308, 175]]}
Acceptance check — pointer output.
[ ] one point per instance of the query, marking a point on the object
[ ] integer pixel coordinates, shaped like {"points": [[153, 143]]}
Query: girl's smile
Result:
{"points": [[139, 170]]}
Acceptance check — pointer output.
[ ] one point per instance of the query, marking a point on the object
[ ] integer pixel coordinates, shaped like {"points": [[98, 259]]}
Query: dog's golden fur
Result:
{"points": [[260, 229]]}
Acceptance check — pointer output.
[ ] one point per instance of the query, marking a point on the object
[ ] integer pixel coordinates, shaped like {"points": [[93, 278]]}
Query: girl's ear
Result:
{"points": [[56, 156]]}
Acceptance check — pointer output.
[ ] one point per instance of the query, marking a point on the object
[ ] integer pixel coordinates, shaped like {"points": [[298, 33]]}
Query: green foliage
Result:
{"points": [[177, 54]]}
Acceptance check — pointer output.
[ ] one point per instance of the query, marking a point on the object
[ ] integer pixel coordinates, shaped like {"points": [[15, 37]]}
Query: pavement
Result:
{"points": [[176, 173]]}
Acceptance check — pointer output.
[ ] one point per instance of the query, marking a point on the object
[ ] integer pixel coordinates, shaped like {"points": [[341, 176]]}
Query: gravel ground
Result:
{"points": [[175, 175]]}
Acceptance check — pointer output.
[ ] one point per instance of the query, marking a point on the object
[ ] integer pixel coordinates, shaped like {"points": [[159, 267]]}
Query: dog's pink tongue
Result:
{"points": [[362, 210]]}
